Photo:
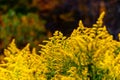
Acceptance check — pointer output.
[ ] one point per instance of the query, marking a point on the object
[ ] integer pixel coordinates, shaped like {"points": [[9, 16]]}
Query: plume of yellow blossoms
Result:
{"points": [[22, 64], [91, 53]]}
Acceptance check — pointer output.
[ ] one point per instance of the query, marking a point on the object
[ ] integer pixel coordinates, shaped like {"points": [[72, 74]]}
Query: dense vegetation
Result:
{"points": [[63, 41], [89, 53]]}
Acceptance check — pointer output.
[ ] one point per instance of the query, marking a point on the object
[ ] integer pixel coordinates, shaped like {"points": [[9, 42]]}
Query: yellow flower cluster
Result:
{"points": [[22, 64], [88, 54]]}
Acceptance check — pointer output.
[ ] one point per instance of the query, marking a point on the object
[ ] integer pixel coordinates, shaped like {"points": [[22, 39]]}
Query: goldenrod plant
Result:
{"points": [[22, 64], [88, 54]]}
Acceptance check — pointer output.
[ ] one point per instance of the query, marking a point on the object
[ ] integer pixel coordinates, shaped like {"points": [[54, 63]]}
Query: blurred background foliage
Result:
{"points": [[31, 21], [23, 28]]}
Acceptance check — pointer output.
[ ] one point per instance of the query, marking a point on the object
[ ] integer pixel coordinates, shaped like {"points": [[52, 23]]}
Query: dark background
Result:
{"points": [[32, 21]]}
